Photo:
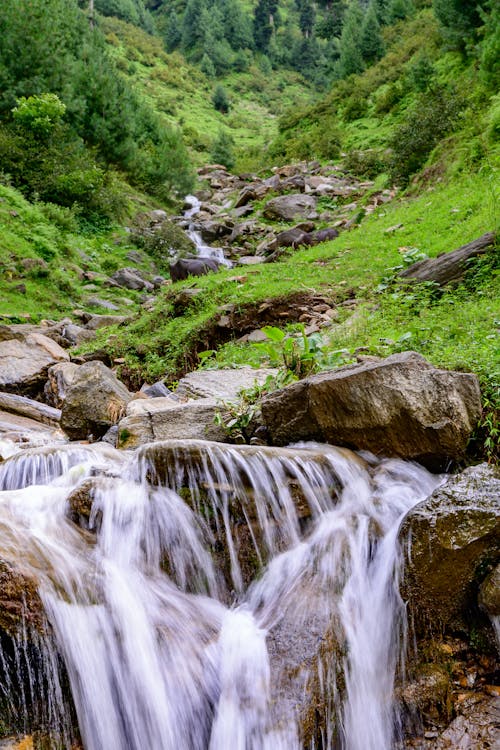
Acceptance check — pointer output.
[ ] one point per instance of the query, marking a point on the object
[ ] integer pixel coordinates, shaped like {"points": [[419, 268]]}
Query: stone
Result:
{"points": [[450, 540], [224, 384], [75, 334], [152, 419], [24, 362], [489, 593], [96, 321], [60, 377], [104, 303], [400, 406], [27, 407], [289, 207], [95, 400], [130, 278]]}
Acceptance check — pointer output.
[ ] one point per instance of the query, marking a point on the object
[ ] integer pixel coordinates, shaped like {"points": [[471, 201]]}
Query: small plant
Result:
{"points": [[297, 354], [240, 419]]}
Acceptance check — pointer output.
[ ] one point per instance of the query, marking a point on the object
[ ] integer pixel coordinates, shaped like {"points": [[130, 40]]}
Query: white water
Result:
{"points": [[202, 249], [165, 647]]}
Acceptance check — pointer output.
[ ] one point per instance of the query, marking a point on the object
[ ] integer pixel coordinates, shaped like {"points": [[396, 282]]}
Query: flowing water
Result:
{"points": [[206, 595], [202, 249]]}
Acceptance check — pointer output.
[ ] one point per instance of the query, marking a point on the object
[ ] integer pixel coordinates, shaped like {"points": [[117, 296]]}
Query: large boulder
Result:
{"points": [[95, 399], [400, 406], [290, 207], [451, 540], [150, 419], [24, 361]]}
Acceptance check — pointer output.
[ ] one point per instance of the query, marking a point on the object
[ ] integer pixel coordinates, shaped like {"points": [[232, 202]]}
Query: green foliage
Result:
{"points": [[220, 99], [490, 47], [459, 20], [222, 149], [298, 353], [39, 114], [351, 58], [434, 116], [372, 44]]}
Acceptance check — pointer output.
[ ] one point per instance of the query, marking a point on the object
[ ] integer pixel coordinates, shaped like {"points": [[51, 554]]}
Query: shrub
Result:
{"points": [[220, 99], [434, 116]]}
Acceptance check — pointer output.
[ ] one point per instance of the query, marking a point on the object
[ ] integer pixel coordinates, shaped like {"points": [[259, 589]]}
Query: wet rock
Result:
{"points": [[452, 538], [290, 207], [95, 400], [24, 362], [400, 406], [60, 377], [489, 593], [19, 599]]}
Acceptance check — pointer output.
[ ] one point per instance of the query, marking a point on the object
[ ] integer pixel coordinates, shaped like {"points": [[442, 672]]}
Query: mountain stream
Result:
{"points": [[206, 596]]}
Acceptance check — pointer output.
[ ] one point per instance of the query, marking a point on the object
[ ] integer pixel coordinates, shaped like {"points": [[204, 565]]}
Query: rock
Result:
{"points": [[19, 600], [157, 390], [75, 335], [224, 384], [152, 419], [103, 321], [475, 727], [400, 406], [27, 407], [489, 593], [451, 538], [289, 207], [95, 400], [130, 278], [24, 362], [60, 377], [104, 303]]}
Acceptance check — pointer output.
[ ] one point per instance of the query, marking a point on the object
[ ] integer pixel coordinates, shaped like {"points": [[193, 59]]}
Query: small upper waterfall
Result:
{"points": [[177, 603], [202, 249]]}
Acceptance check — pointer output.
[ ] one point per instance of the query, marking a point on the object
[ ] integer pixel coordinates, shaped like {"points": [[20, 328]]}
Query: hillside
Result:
{"points": [[422, 116]]}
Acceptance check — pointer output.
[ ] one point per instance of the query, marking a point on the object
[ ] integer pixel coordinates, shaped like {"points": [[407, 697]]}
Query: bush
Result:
{"points": [[220, 99], [434, 116]]}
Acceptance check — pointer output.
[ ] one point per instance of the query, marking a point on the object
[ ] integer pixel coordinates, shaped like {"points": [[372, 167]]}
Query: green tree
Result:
{"points": [[371, 43], [350, 57], [398, 10], [307, 17], [264, 23], [222, 149], [459, 20], [220, 99], [39, 114], [173, 32]]}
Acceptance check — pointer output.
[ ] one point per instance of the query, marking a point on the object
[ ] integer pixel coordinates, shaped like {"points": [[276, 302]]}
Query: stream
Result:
{"points": [[207, 595]]}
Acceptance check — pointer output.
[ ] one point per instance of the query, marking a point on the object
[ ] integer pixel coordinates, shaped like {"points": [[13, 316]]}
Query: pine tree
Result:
{"points": [[459, 19], [220, 99], [222, 150], [307, 17], [350, 59], [263, 23], [173, 32], [371, 44], [399, 10]]}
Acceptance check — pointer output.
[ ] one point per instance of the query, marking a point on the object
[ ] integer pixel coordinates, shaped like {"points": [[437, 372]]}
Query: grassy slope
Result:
{"points": [[440, 219], [42, 250], [183, 94]]}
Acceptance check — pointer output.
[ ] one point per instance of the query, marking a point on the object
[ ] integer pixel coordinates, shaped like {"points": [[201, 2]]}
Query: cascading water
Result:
{"points": [[202, 249], [209, 591]]}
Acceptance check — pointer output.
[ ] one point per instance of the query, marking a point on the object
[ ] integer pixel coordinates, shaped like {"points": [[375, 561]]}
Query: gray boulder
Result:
{"points": [[290, 207], [95, 400], [130, 278], [398, 406], [24, 362], [224, 385], [451, 540]]}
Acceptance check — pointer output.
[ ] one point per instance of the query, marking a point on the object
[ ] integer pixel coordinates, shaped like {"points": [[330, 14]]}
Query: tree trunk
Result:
{"points": [[91, 14], [449, 266]]}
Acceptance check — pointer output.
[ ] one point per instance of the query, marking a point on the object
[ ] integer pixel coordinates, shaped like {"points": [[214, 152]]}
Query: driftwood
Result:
{"points": [[449, 266], [26, 407]]}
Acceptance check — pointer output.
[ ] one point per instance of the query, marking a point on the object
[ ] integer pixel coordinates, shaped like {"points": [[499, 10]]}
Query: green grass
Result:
{"points": [[161, 343], [43, 254]]}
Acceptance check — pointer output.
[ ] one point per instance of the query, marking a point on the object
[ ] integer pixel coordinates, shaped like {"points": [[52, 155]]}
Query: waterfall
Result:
{"points": [[202, 249], [209, 593]]}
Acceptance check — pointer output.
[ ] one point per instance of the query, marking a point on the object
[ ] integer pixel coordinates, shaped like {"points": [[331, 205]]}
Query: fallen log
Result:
{"points": [[449, 266], [27, 407]]}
